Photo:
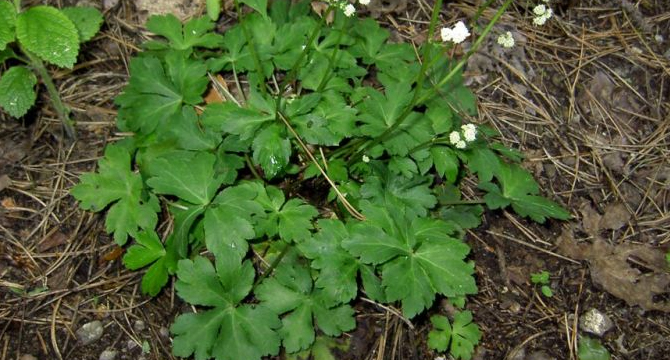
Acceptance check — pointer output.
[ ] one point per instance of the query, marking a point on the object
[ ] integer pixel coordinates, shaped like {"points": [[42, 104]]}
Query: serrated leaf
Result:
{"points": [[440, 336], [49, 34], [412, 195], [228, 223], [229, 330], [148, 248], [272, 150], [17, 90], [304, 306], [187, 175], [157, 91], [518, 188], [380, 111], [446, 162], [195, 33], [116, 184], [465, 335], [291, 220], [86, 19], [337, 268], [417, 257], [7, 23], [236, 120], [184, 128]]}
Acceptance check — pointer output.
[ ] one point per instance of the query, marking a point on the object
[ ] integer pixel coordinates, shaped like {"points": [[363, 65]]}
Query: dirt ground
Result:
{"points": [[585, 97]]}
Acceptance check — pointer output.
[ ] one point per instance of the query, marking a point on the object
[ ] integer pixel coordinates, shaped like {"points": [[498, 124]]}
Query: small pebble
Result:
{"points": [[595, 322], [139, 325], [108, 354], [90, 332], [164, 332], [131, 344]]}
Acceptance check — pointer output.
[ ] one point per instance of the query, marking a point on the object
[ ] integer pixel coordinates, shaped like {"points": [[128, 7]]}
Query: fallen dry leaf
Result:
{"points": [[590, 219], [8, 203], [616, 216], [56, 239], [611, 268]]}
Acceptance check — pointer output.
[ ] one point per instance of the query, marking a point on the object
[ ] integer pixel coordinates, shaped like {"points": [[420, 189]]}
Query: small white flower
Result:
{"points": [[460, 145], [506, 40], [457, 34], [364, 2], [366, 159], [542, 14], [454, 137], [469, 132], [349, 10]]}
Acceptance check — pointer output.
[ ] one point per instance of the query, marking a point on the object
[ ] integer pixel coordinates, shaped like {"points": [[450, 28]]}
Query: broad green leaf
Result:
{"points": [[441, 117], [259, 5], [228, 330], [338, 270], [116, 184], [520, 190], [465, 335], [371, 38], [148, 248], [228, 223], [321, 349], [185, 129], [417, 256], [49, 34], [380, 111], [291, 220], [196, 32], [592, 349], [403, 166], [7, 23], [157, 91], [414, 131], [236, 120], [86, 19], [440, 336], [17, 90], [187, 175], [446, 162], [272, 150], [213, 9], [483, 162], [412, 195], [290, 290]]}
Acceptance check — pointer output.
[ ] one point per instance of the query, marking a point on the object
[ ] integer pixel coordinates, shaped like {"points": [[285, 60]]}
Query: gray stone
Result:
{"points": [[139, 325], [595, 322], [90, 332], [108, 354]]}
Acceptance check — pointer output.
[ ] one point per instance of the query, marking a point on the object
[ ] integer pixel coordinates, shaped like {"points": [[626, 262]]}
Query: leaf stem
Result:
{"points": [[333, 55], [62, 111], [252, 168]]}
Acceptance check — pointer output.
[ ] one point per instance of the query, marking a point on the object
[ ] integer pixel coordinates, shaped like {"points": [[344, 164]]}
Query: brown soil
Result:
{"points": [[585, 97]]}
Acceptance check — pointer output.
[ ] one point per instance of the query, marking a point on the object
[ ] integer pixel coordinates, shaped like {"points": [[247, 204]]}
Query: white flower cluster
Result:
{"points": [[542, 14], [348, 9], [506, 40], [461, 139], [457, 34]]}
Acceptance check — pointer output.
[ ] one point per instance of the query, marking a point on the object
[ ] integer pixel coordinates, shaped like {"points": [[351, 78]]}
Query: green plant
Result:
{"points": [[328, 171], [460, 337], [542, 279], [592, 349], [33, 36]]}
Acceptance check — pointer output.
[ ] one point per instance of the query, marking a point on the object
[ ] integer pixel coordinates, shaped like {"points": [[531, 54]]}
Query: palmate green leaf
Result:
{"points": [[338, 269], [186, 131], [411, 195], [417, 257], [116, 184], [272, 149], [521, 191], [228, 223], [86, 19], [483, 162], [446, 162], [185, 174], [49, 34], [380, 111], [17, 90], [196, 32], [291, 220], [7, 23], [290, 291], [371, 37], [228, 330], [460, 338], [157, 91], [149, 250], [235, 120]]}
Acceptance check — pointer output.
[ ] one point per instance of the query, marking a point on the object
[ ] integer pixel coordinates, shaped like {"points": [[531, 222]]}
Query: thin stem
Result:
{"points": [[62, 111], [252, 46], [273, 265], [331, 61], [17, 5], [252, 168]]}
